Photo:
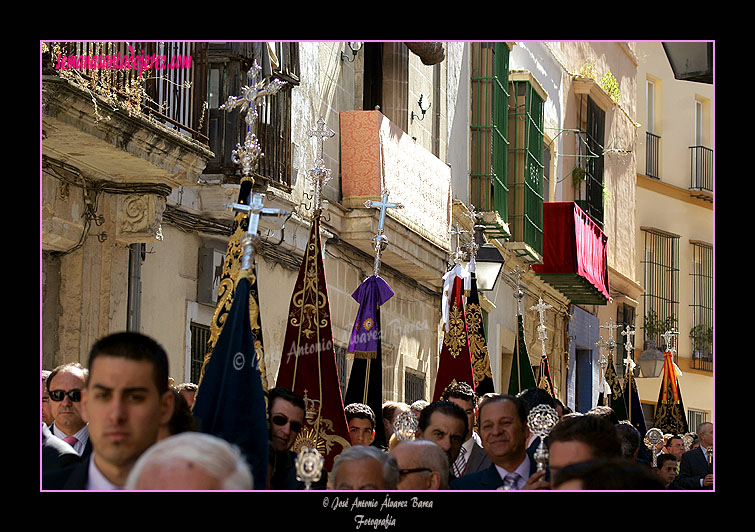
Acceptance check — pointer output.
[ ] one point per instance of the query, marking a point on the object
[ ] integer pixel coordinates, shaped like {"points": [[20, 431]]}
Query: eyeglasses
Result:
{"points": [[58, 395], [403, 472], [281, 420]]}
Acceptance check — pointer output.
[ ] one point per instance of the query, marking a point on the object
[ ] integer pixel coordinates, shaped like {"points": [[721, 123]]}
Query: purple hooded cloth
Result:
{"points": [[372, 293]]}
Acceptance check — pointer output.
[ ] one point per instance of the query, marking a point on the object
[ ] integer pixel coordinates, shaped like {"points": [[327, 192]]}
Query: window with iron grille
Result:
{"points": [[489, 127], [660, 266], [414, 387], [525, 164], [701, 333], [200, 337], [589, 188]]}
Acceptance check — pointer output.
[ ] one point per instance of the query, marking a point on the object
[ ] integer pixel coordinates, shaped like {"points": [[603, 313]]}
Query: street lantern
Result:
{"points": [[651, 361], [488, 265]]}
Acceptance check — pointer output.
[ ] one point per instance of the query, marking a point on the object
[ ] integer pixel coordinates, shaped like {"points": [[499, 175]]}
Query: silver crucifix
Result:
{"points": [[458, 254], [252, 96], [254, 208], [380, 240], [472, 246], [542, 333], [320, 174], [611, 327]]}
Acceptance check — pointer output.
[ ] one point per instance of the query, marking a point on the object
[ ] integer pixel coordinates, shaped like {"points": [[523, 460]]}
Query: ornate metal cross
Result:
{"points": [[254, 208], [519, 294], [458, 254], [611, 327], [252, 96], [472, 246], [542, 333], [380, 239], [668, 337], [320, 174]]}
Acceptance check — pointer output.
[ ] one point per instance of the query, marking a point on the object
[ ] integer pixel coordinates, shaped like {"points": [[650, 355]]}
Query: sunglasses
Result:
{"points": [[280, 420], [58, 395], [403, 472]]}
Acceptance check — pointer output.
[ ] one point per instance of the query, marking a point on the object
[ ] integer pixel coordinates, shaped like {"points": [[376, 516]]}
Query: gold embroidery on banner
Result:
{"points": [[310, 303], [455, 339], [315, 435], [477, 348]]}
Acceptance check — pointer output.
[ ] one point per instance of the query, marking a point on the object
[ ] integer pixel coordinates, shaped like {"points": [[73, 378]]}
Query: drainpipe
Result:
{"points": [[135, 257]]}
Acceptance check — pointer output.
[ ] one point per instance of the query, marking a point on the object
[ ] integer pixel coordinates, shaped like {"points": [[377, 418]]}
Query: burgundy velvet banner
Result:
{"points": [[573, 243]]}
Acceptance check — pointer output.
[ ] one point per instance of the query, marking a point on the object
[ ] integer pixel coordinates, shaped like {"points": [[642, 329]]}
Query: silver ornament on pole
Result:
{"points": [[309, 464], [405, 425], [541, 420], [653, 437]]}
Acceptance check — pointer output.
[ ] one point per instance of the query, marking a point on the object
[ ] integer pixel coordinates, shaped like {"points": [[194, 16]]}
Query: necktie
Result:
{"points": [[460, 463], [71, 440], [510, 481]]}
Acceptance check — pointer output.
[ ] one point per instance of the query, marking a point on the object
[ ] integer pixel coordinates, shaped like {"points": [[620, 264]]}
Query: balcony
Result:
{"points": [[377, 154], [652, 155], [701, 172], [575, 259]]}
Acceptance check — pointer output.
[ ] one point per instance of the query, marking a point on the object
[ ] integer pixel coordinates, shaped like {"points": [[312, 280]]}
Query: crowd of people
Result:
{"points": [[121, 423]]}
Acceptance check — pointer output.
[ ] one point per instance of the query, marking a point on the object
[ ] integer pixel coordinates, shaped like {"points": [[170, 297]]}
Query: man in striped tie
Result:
{"points": [[472, 456], [64, 387]]}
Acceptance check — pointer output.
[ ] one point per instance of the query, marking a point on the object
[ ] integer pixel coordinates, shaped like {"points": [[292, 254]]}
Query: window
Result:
{"points": [[525, 162], [200, 337], [695, 418], [661, 283], [652, 140], [701, 333], [592, 132], [414, 387], [489, 127], [702, 156], [228, 68]]}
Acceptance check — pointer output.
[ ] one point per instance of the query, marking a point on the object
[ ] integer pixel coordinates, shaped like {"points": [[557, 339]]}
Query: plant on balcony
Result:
{"points": [[702, 338], [655, 326]]}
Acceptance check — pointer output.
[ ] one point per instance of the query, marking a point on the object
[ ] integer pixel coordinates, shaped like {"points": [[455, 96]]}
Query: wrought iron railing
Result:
{"points": [[163, 80], [652, 155], [701, 165]]}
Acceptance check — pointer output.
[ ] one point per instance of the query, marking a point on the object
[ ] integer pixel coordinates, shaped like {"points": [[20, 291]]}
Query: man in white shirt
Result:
{"points": [[64, 386], [472, 456]]}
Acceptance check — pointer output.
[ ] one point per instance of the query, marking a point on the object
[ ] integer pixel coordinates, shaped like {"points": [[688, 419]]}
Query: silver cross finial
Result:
{"points": [[669, 337], [611, 326], [541, 329], [254, 208], [519, 293], [380, 240], [320, 174], [472, 246], [252, 96], [458, 254]]}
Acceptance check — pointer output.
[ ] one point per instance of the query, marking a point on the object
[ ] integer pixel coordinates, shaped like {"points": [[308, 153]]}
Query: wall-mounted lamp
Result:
{"points": [[421, 108], [354, 47]]}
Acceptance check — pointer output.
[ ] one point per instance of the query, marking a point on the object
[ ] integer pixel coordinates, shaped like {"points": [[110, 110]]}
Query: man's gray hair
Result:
{"points": [[361, 452], [214, 455], [431, 456]]}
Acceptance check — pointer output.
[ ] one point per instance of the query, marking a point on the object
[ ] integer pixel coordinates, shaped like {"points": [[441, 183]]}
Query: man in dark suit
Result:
{"points": [[64, 386], [472, 456], [126, 400], [696, 468], [504, 433], [56, 454]]}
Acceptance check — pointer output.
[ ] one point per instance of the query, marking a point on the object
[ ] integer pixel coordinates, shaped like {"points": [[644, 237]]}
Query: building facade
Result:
{"points": [[507, 130], [674, 227]]}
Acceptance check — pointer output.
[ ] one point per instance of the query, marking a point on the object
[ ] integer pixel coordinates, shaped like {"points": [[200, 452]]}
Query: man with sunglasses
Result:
{"points": [[64, 386], [126, 400], [286, 420]]}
